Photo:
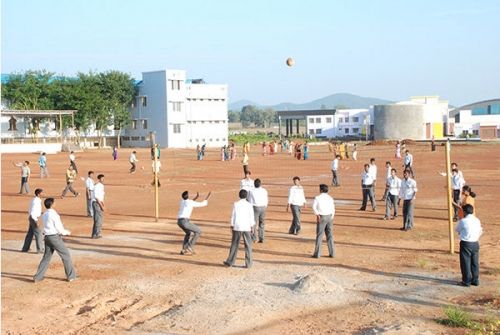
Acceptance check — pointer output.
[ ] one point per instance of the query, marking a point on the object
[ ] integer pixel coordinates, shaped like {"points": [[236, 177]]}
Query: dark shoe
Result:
{"points": [[226, 264], [362, 209], [404, 229], [314, 256], [76, 194], [24, 250], [475, 283], [374, 209], [385, 218], [331, 256], [464, 284], [261, 241], [72, 279]]}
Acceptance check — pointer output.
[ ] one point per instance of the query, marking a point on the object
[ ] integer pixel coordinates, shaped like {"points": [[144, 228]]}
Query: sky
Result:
{"points": [[389, 49]]}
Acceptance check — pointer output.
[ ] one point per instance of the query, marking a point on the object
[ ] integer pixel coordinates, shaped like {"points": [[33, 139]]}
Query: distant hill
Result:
{"points": [[337, 99]]}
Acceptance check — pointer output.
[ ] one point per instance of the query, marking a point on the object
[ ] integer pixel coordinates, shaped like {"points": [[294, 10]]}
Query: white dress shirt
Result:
{"points": [[246, 184], [186, 207], [457, 182], [72, 157], [323, 205], [394, 184], [296, 196], [132, 158], [52, 223], [89, 184], [335, 164], [25, 171], [408, 189], [158, 166], [409, 159], [99, 192], [373, 171], [35, 208], [258, 197], [388, 173], [367, 178], [469, 228], [242, 218]]}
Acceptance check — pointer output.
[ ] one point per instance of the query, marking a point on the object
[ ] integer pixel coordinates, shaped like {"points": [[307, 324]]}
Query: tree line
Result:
{"points": [[252, 115], [101, 98]]}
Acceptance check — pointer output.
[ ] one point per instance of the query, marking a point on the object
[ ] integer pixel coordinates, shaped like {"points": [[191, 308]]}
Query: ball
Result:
{"points": [[290, 61], [142, 167]]}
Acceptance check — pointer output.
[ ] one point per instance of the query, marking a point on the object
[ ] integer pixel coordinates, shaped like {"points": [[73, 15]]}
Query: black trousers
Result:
{"points": [[469, 262], [456, 198]]}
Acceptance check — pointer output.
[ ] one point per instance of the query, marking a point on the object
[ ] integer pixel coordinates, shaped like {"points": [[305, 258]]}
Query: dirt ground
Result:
{"points": [[134, 280]]}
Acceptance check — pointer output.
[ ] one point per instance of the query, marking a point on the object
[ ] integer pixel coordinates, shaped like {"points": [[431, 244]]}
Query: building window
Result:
{"points": [[346, 120], [202, 122], [475, 132], [134, 124], [340, 120], [216, 121], [479, 111], [346, 130], [494, 109], [144, 101], [144, 124], [318, 120], [311, 131], [328, 120], [210, 140], [12, 124], [465, 132], [318, 131], [311, 120], [176, 106], [355, 130], [175, 84], [355, 119], [177, 128]]}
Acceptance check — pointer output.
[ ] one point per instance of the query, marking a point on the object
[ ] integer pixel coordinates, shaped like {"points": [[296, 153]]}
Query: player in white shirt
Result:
{"points": [[185, 209], [89, 193], [457, 182], [296, 199], [133, 160], [25, 176], [470, 230], [392, 188], [407, 193], [408, 163], [388, 168], [259, 199], [54, 229], [242, 224], [373, 171], [156, 168], [247, 183], [335, 171], [367, 188], [324, 209], [35, 211], [98, 206]]}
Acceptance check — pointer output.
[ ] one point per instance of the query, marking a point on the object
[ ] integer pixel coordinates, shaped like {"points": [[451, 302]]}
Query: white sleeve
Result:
{"points": [[59, 226], [315, 206], [199, 204], [233, 216]]}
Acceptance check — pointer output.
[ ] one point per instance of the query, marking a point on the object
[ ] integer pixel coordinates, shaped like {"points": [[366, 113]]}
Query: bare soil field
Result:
{"points": [[133, 280]]}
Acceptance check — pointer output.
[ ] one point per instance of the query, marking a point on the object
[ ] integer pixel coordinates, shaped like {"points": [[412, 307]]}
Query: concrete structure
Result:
{"points": [[480, 119], [330, 123], [183, 113], [420, 118]]}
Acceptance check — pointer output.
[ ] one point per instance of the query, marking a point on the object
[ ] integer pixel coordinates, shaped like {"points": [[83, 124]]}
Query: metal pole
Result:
{"points": [[448, 190], [155, 160]]}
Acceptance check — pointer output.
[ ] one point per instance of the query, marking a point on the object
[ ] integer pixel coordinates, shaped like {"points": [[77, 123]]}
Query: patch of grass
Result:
{"points": [[456, 317], [423, 263]]}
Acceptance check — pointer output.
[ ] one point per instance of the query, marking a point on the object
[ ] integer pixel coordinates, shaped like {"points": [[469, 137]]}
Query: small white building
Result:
{"points": [[183, 113], [344, 123], [480, 119]]}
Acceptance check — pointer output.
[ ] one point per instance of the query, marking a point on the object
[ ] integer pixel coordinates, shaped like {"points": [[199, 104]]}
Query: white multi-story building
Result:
{"points": [[345, 122], [183, 113], [480, 119]]}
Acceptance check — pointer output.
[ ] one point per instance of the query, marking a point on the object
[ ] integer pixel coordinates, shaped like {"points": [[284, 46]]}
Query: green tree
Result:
{"points": [[270, 116], [233, 116], [28, 91], [249, 114]]}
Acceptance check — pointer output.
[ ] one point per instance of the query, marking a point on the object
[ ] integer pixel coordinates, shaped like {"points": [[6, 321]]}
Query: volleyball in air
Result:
{"points": [[290, 61]]}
